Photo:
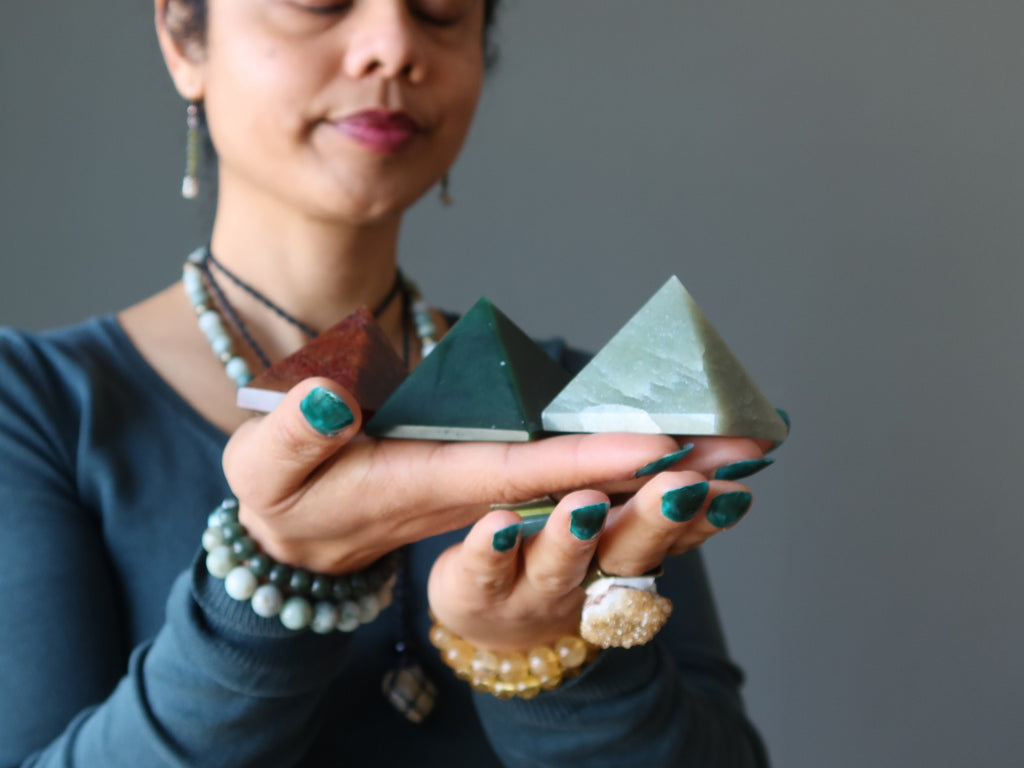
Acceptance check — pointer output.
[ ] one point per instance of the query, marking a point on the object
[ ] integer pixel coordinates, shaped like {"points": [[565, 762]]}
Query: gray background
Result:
{"points": [[840, 186]]}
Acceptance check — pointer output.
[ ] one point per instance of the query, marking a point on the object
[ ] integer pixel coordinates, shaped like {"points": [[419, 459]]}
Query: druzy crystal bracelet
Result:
{"points": [[507, 674], [299, 598]]}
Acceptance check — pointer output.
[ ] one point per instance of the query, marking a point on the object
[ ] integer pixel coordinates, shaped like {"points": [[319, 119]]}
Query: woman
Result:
{"points": [[329, 120]]}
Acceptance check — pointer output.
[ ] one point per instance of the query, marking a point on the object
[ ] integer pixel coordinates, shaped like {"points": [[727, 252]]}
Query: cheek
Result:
{"points": [[259, 92]]}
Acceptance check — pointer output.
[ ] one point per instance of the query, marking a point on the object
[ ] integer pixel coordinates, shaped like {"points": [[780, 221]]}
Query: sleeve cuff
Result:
{"points": [[617, 674], [243, 651]]}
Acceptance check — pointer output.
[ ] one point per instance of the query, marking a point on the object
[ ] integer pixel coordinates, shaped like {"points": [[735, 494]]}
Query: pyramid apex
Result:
{"points": [[485, 380], [354, 352]]}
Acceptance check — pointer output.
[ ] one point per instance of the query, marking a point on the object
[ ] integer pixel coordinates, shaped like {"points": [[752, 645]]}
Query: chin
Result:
{"points": [[357, 211], [367, 205]]}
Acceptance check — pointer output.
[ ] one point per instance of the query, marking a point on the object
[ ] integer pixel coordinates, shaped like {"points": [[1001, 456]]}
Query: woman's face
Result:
{"points": [[342, 109]]}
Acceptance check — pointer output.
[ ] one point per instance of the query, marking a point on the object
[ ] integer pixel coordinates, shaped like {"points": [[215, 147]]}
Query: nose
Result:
{"points": [[383, 42]]}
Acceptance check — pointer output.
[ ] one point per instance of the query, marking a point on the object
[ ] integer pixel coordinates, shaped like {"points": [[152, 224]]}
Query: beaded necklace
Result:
{"points": [[407, 687], [197, 275]]}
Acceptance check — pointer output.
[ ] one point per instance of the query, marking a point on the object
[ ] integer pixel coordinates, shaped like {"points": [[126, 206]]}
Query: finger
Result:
{"points": [[270, 457], [558, 558], [726, 458], [729, 503], [479, 473], [667, 516], [484, 567]]}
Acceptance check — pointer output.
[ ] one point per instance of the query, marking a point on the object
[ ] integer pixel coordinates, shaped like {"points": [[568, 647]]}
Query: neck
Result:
{"points": [[318, 271]]}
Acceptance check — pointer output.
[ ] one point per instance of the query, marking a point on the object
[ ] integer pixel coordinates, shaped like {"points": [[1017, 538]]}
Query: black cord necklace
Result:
{"points": [[208, 259]]}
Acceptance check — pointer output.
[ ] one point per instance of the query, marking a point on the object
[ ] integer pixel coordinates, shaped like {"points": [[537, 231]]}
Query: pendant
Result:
{"points": [[410, 690]]}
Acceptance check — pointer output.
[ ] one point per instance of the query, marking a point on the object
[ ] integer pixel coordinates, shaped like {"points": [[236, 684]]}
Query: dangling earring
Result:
{"points": [[190, 183], [446, 197]]}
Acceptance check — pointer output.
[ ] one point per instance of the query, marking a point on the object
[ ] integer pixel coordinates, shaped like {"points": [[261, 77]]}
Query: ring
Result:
{"points": [[622, 611]]}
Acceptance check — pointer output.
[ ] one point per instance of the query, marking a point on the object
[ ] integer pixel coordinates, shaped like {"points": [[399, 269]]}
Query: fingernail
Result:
{"points": [[785, 417], [506, 538], [740, 469], [728, 508], [666, 461], [327, 413], [681, 504], [534, 524], [586, 521]]}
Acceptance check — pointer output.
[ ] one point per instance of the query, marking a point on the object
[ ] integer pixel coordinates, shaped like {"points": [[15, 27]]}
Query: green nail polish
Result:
{"points": [[785, 417], [666, 461], [740, 469], [681, 504], [728, 508], [506, 538], [585, 522], [327, 413]]}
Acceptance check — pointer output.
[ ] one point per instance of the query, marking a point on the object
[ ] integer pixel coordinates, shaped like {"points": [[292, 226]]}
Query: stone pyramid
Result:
{"points": [[354, 352], [485, 380], [666, 371]]}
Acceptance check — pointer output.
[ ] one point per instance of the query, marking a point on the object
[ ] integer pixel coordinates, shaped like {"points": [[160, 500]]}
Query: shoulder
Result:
{"points": [[52, 385], [60, 366]]}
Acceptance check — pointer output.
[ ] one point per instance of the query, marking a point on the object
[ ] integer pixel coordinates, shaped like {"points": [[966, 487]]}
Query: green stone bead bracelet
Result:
{"points": [[297, 597]]}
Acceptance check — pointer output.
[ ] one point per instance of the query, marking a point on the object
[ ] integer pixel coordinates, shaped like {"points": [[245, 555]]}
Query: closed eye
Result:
{"points": [[323, 9], [438, 13]]}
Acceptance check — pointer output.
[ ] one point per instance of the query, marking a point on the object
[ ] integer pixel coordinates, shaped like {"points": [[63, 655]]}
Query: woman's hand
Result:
{"points": [[530, 594], [315, 493]]}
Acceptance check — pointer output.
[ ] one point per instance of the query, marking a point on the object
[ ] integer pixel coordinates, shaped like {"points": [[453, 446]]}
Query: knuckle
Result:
{"points": [[554, 584], [292, 440], [489, 584]]}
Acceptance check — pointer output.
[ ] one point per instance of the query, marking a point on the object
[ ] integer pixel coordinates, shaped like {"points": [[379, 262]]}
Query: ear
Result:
{"points": [[184, 58]]}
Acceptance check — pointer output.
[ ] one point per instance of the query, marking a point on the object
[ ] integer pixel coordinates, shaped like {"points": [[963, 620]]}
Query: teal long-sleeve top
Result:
{"points": [[117, 650]]}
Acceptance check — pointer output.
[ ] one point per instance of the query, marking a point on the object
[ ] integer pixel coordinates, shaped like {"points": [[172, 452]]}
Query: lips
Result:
{"points": [[379, 130]]}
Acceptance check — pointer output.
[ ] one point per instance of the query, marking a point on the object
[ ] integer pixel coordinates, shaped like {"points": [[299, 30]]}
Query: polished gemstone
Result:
{"points": [[355, 353], [485, 380], [666, 371]]}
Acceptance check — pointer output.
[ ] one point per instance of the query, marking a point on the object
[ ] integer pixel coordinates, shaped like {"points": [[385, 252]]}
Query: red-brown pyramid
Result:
{"points": [[355, 353]]}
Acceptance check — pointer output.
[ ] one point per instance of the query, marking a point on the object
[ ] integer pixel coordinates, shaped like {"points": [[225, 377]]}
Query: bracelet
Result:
{"points": [[509, 673], [299, 598]]}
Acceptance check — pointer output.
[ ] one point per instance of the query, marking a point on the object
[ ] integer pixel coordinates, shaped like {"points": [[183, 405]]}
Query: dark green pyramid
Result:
{"points": [[486, 380]]}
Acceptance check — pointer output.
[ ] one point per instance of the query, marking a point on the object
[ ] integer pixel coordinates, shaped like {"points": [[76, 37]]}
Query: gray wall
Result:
{"points": [[839, 184]]}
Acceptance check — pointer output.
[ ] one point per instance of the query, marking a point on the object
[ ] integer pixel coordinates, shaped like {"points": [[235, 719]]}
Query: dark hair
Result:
{"points": [[186, 20]]}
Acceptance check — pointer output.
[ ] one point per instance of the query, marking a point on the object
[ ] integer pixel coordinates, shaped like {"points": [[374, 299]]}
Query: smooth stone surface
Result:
{"points": [[296, 613], [485, 380], [240, 583], [667, 371], [325, 618], [267, 601], [355, 353]]}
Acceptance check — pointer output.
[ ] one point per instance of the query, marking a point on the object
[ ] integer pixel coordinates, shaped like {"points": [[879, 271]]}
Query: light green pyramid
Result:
{"points": [[666, 371]]}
